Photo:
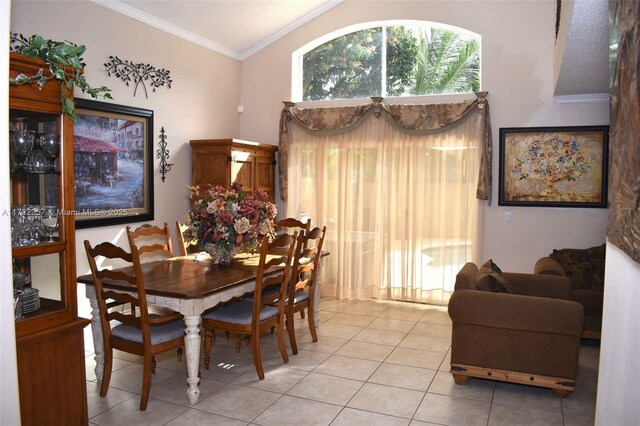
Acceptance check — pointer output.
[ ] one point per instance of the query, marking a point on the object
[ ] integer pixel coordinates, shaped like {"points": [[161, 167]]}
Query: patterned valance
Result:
{"points": [[414, 119]]}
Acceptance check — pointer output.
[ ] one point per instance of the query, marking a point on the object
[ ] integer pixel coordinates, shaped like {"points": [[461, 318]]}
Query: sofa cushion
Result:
{"points": [[490, 278], [585, 267]]}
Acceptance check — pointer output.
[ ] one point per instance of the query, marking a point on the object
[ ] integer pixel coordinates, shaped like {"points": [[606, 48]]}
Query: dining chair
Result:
{"points": [[267, 309], [155, 241], [304, 276], [148, 238], [294, 223], [185, 248], [132, 328]]}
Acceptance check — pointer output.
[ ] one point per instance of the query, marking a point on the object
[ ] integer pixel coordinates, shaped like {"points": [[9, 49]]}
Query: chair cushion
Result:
{"points": [[239, 312], [490, 278], [159, 333], [300, 296]]}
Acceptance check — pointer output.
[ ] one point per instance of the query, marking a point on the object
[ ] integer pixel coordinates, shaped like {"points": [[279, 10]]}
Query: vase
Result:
{"points": [[220, 255], [549, 190]]}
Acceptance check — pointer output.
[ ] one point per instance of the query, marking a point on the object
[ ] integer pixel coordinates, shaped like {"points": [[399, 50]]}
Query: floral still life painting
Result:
{"points": [[225, 222], [554, 167]]}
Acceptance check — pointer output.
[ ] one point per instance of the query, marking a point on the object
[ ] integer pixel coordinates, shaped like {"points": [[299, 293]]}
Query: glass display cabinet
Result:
{"points": [[49, 333]]}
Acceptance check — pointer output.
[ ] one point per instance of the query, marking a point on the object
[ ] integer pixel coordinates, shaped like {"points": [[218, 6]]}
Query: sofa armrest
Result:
{"points": [[515, 312], [539, 285], [548, 266]]}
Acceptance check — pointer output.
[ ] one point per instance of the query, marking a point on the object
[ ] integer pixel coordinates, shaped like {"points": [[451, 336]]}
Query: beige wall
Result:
{"points": [[517, 70], [202, 102]]}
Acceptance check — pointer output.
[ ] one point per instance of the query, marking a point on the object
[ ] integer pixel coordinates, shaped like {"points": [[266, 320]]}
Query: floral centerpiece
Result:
{"points": [[226, 222]]}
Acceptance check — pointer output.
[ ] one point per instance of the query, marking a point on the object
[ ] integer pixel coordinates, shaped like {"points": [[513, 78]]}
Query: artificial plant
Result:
{"points": [[58, 56]]}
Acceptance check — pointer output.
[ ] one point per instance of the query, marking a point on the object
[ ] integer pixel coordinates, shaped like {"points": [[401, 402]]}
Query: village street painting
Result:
{"points": [[109, 163]]}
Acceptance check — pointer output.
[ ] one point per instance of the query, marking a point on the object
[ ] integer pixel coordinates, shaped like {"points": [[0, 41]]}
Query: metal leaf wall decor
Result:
{"points": [[128, 72]]}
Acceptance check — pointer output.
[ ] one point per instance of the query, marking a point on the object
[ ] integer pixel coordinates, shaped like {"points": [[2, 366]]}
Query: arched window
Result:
{"points": [[395, 58]]}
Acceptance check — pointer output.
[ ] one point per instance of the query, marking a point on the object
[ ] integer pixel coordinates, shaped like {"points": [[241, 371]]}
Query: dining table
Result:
{"points": [[189, 285]]}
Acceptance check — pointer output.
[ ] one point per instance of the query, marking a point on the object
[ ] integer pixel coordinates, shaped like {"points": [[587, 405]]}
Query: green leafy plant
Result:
{"points": [[58, 57]]}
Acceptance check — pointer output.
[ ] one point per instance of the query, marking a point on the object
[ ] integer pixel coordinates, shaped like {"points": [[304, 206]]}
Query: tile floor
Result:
{"points": [[376, 363]]}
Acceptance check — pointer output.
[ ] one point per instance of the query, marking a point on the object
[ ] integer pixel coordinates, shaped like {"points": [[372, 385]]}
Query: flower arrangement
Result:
{"points": [[552, 161], [226, 222]]}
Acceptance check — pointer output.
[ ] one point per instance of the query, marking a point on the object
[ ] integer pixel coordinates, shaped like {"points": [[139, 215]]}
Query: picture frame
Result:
{"points": [[113, 164], [554, 166]]}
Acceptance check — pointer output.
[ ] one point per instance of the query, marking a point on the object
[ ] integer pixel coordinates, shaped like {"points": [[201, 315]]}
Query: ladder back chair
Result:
{"points": [[304, 275], [185, 248], [131, 329], [149, 238], [265, 310]]}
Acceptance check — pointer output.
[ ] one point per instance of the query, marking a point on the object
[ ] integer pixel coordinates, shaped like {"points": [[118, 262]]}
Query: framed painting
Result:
{"points": [[553, 166], [113, 164]]}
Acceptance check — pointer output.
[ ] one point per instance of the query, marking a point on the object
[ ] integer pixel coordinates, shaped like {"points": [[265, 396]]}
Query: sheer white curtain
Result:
{"points": [[400, 209]]}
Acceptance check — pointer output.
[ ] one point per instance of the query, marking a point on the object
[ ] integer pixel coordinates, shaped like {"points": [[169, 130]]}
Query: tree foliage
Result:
{"points": [[446, 63], [419, 61]]}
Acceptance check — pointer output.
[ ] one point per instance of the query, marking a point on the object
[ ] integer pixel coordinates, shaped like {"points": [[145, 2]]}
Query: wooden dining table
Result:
{"points": [[189, 285]]}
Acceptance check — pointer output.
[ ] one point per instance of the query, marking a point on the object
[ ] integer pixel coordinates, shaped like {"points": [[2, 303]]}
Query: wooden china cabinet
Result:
{"points": [[49, 333], [224, 161]]}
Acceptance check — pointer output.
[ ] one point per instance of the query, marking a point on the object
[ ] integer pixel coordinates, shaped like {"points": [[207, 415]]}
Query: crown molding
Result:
{"points": [[289, 28], [168, 27], [582, 98]]}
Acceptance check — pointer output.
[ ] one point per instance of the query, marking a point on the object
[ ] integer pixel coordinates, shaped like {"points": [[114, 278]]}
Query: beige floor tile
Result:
{"points": [[365, 350], [367, 308], [387, 400], [128, 413], [329, 389], [507, 415], [351, 417], [305, 360], [337, 330], [129, 378], [526, 397], [345, 318], [226, 370], [448, 410], [428, 329], [426, 343], [325, 344], [420, 423], [174, 389], [392, 324], [334, 305], [402, 314], [276, 379], [576, 420], [90, 365], [582, 402], [478, 389], [202, 418], [446, 363], [403, 376], [238, 402], [97, 404], [382, 337], [324, 316], [347, 367], [289, 410], [436, 317], [416, 358]]}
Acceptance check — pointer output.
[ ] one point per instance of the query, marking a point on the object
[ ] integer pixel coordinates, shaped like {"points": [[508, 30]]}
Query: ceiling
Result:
{"points": [[236, 28], [240, 28]]}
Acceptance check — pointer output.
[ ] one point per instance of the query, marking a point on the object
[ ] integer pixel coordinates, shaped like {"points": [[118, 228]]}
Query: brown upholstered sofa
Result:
{"points": [[585, 268], [530, 336]]}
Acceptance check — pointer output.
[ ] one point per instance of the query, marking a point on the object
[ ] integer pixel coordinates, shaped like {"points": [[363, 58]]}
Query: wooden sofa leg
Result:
{"points": [[560, 393], [460, 380]]}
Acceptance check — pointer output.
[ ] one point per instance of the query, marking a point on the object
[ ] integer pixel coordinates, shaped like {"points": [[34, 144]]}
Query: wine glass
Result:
{"points": [[21, 146], [37, 162], [50, 145], [50, 220]]}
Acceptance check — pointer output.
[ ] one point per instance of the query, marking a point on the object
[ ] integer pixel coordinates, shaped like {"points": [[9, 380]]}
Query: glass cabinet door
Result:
{"points": [[37, 215]]}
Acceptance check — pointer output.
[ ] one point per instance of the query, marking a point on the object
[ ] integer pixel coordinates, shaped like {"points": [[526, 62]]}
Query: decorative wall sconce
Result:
{"points": [[163, 155]]}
